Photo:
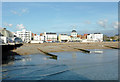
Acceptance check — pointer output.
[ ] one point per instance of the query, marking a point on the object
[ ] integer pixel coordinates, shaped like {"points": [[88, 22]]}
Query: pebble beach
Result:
{"points": [[28, 49]]}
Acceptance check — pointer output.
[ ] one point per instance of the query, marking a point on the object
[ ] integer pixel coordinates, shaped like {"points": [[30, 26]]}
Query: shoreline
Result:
{"points": [[28, 49]]}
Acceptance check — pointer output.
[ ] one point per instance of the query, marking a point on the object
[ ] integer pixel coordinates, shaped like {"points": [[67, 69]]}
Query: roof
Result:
{"points": [[50, 33], [97, 33], [63, 34], [73, 30], [78, 35], [6, 33]]}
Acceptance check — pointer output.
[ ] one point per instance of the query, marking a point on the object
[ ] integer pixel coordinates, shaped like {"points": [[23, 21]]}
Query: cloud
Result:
{"points": [[20, 26], [7, 25], [14, 12], [115, 24], [103, 23], [87, 22], [20, 12], [25, 10], [10, 25], [1, 27]]}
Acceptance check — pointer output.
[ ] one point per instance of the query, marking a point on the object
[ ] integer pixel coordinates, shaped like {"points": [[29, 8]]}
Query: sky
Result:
{"points": [[61, 17]]}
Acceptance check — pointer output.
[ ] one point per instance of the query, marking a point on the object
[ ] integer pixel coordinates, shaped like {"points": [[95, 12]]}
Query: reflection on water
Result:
{"points": [[67, 66], [74, 55]]}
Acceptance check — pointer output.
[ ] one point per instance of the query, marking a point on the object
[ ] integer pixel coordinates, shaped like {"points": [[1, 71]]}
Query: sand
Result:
{"points": [[28, 49]]}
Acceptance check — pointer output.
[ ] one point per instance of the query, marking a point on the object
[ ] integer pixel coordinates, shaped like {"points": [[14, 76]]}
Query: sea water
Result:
{"points": [[67, 66]]}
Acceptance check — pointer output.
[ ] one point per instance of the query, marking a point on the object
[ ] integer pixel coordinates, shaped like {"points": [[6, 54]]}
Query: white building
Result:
{"points": [[24, 35], [6, 36], [74, 33], [41, 38], [37, 37], [3, 39], [63, 37], [96, 37], [50, 36], [74, 36]]}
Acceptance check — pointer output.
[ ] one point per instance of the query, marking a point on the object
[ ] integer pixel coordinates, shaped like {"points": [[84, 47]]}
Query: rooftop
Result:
{"points": [[73, 30], [6, 33], [50, 33], [63, 34]]}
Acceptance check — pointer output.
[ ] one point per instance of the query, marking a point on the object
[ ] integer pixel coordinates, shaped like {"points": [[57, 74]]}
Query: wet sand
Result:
{"points": [[28, 49]]}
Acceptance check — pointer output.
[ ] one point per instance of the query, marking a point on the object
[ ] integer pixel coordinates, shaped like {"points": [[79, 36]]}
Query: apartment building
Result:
{"points": [[96, 37], [50, 36], [24, 35], [63, 37]]}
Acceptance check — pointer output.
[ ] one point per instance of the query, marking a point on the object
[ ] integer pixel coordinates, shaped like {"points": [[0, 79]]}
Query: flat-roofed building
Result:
{"points": [[24, 35], [63, 37], [96, 37], [49, 36]]}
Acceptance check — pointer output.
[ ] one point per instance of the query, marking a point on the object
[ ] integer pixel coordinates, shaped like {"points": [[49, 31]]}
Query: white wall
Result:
{"points": [[24, 35], [4, 39], [52, 37], [95, 37], [42, 38], [37, 37], [64, 37], [74, 34]]}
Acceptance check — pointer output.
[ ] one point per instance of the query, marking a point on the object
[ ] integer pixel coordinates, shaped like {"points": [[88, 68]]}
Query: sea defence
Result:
{"points": [[6, 52], [49, 54], [8, 47]]}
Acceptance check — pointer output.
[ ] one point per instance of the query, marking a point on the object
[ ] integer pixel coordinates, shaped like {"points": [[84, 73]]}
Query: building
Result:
{"points": [[42, 37], [6, 36], [63, 37], [84, 36], [96, 37], [50, 37], [36, 37], [75, 37], [74, 33], [3, 39], [24, 35], [32, 36]]}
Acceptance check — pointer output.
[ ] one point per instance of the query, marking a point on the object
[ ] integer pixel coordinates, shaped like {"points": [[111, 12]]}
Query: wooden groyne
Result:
{"points": [[46, 53], [112, 47], [83, 50]]}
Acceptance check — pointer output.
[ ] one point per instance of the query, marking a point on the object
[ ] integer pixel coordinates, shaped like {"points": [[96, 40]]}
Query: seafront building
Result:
{"points": [[3, 39], [42, 37], [63, 38], [24, 35], [96, 37], [50, 37], [6, 36], [75, 37], [36, 37]]}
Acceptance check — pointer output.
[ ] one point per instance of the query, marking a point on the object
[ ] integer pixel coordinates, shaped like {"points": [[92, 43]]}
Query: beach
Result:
{"points": [[28, 49]]}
